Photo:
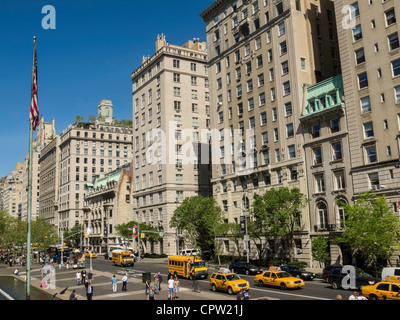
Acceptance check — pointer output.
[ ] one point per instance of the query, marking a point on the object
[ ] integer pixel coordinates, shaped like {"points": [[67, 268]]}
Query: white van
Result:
{"points": [[189, 252], [390, 272]]}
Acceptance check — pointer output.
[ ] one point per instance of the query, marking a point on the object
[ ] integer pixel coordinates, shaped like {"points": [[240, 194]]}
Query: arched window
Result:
{"points": [[340, 213], [322, 212]]}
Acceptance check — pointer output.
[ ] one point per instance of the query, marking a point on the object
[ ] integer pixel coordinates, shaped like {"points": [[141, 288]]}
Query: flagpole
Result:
{"points": [[28, 241]]}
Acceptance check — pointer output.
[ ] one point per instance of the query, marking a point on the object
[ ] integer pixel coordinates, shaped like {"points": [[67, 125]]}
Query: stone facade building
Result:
{"points": [[261, 54], [171, 112]]}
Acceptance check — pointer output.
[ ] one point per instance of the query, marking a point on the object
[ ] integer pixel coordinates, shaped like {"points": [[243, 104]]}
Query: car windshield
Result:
{"points": [[126, 257], [231, 277], [199, 264], [283, 275]]}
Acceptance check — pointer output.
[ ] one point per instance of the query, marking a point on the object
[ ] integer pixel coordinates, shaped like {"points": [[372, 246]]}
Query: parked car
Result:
{"points": [[327, 269], [244, 267], [298, 272], [362, 278]]}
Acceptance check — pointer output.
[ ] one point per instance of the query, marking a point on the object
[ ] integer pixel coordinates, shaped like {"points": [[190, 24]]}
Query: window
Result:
{"points": [[355, 11], [339, 180], [371, 154], [357, 33], [286, 88], [335, 125], [315, 131], [285, 68], [288, 109], [292, 151], [373, 180], [360, 56], [396, 68], [363, 80], [365, 104], [393, 40], [283, 48], [368, 130], [337, 151], [317, 155], [397, 94], [322, 216], [289, 130], [263, 118], [390, 17], [319, 183]]}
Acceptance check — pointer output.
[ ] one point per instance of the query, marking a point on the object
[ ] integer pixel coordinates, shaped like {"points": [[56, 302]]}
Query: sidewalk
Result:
{"points": [[102, 290]]}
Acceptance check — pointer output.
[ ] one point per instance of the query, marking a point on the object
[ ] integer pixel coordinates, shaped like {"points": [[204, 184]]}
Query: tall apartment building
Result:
{"points": [[170, 113], [370, 51], [261, 53], [11, 191], [86, 151], [49, 179], [46, 132], [368, 34]]}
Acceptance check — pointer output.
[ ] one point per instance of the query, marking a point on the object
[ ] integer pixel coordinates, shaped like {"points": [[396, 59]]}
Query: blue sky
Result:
{"points": [[90, 56]]}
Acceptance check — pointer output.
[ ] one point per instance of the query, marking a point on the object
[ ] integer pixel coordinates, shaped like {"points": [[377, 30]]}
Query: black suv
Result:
{"points": [[362, 278], [298, 272], [244, 267], [327, 270]]}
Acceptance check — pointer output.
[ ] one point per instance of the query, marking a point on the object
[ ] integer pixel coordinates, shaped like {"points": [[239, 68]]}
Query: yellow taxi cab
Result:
{"points": [[90, 254], [384, 290], [225, 280], [280, 279]]}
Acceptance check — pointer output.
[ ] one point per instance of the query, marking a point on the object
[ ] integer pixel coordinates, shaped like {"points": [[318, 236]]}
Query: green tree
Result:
{"points": [[125, 230], [43, 233], [278, 211], [372, 230], [199, 218], [92, 119], [78, 119], [319, 249], [73, 236]]}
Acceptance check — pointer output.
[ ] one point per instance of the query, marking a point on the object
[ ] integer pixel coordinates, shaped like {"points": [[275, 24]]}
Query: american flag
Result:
{"points": [[34, 111]]}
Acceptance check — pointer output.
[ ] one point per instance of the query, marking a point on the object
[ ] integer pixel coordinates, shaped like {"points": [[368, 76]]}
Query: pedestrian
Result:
{"points": [[160, 280], [176, 288], [246, 295], [239, 296], [151, 295], [114, 283], [124, 282], [90, 276], [78, 278], [170, 287], [361, 297], [156, 284], [73, 295], [83, 276], [10, 262], [353, 296], [147, 285], [16, 272], [89, 290]]}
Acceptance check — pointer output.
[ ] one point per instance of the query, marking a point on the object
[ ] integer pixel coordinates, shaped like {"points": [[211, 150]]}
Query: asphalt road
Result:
{"points": [[313, 290]]}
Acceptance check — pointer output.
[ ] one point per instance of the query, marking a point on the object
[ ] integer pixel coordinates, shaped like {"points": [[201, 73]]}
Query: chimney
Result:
{"points": [[160, 42]]}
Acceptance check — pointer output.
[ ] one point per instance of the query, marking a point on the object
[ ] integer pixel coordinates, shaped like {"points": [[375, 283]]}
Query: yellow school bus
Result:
{"points": [[187, 267], [122, 258]]}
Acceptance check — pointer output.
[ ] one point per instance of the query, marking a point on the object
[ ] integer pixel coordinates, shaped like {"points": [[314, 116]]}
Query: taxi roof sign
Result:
{"points": [[224, 270], [392, 279]]}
